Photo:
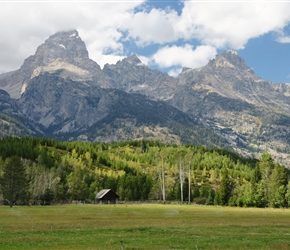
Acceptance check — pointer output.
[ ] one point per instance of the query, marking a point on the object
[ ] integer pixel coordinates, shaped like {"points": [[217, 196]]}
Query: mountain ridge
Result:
{"points": [[62, 93]]}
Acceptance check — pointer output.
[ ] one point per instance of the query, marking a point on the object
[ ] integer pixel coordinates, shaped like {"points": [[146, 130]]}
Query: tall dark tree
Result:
{"points": [[278, 186], [266, 165], [225, 188], [143, 146], [14, 181], [257, 195], [257, 176]]}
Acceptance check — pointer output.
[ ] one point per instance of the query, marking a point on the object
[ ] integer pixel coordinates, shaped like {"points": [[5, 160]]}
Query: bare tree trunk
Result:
{"points": [[163, 181], [189, 182], [181, 179]]}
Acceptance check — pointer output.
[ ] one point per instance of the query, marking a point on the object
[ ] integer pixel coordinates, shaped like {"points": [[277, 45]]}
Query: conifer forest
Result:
{"points": [[45, 171]]}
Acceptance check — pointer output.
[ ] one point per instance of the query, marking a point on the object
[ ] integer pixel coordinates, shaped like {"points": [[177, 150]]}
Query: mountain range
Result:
{"points": [[59, 92]]}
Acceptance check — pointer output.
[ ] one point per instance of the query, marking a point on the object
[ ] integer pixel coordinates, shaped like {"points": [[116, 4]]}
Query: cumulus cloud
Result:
{"points": [[156, 26], [215, 24], [106, 27], [144, 59], [231, 24], [184, 56], [175, 72], [24, 26], [283, 39], [226, 24]]}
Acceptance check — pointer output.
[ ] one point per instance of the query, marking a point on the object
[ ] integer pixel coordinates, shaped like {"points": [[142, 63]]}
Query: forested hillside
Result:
{"points": [[46, 171]]}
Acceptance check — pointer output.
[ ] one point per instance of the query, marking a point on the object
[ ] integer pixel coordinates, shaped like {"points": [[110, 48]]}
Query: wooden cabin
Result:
{"points": [[106, 196]]}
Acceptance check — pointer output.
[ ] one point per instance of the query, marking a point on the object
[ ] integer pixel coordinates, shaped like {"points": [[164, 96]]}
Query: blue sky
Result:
{"points": [[269, 59], [166, 35]]}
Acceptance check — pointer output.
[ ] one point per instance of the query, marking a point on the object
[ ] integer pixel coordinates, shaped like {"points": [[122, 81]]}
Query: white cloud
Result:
{"points": [[221, 24], [184, 56], [145, 60], [104, 25], [156, 26], [175, 72], [110, 59], [283, 39], [24, 26], [231, 24]]}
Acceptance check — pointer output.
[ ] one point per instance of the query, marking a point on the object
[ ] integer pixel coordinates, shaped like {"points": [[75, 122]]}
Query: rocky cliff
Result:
{"points": [[63, 54], [227, 96], [132, 76]]}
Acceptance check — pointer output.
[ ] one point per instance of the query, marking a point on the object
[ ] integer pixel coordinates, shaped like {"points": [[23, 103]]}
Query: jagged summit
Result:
{"points": [[66, 45], [64, 52], [229, 59], [226, 65], [229, 76], [73, 34], [132, 76], [133, 59]]}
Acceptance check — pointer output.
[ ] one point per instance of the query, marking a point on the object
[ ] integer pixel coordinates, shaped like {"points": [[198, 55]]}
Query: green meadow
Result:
{"points": [[143, 226]]}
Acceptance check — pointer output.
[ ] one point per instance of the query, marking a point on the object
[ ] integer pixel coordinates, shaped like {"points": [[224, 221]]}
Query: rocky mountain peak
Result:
{"points": [[63, 53], [133, 59], [226, 75], [229, 59], [65, 48], [132, 76], [66, 45]]}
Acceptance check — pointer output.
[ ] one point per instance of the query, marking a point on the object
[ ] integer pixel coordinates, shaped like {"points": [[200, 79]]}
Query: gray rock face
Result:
{"points": [[65, 45], [63, 53], [12, 120], [250, 113], [229, 76], [71, 110], [132, 76]]}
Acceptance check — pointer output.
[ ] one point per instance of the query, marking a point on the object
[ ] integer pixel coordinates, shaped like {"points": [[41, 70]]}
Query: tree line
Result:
{"points": [[42, 170]]}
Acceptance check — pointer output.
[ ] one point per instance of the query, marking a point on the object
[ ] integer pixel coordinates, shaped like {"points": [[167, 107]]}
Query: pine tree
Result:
{"points": [[143, 146], [278, 186], [14, 181], [257, 193], [266, 165], [225, 188]]}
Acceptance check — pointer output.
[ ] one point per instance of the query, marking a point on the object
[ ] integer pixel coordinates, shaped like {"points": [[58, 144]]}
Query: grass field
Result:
{"points": [[143, 227]]}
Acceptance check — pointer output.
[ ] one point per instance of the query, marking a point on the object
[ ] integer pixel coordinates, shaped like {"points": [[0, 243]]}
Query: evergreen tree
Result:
{"points": [[47, 197], [14, 182], [278, 186], [78, 189], [257, 176], [225, 188], [287, 195], [210, 198], [256, 195], [143, 146], [266, 165], [260, 195]]}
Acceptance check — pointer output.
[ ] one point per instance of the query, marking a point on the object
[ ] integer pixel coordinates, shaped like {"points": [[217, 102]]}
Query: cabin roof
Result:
{"points": [[103, 192]]}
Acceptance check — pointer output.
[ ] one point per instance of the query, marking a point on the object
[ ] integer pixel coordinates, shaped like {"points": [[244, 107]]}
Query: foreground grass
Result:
{"points": [[143, 227]]}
